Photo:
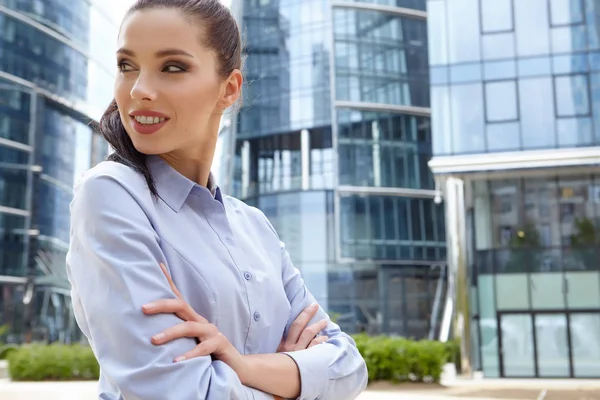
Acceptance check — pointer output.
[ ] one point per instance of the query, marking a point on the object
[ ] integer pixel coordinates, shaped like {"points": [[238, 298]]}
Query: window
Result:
{"points": [[501, 101], [566, 12], [536, 113], [496, 15], [571, 95], [498, 45], [531, 25]]}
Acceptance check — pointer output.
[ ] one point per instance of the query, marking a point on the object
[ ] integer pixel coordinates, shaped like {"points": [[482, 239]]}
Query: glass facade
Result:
{"points": [[520, 78], [536, 287], [332, 143], [512, 75], [51, 91]]}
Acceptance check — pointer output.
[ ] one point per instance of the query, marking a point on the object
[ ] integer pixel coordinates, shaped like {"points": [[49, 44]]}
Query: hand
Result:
{"points": [[212, 342], [299, 336]]}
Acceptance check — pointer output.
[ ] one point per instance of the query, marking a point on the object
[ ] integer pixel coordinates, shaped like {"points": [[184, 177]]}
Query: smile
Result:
{"points": [[148, 120]]}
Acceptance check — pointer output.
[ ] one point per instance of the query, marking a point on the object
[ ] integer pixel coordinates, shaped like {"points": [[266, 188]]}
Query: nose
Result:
{"points": [[143, 89]]}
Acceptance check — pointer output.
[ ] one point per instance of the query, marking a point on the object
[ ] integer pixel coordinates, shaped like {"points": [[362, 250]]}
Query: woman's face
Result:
{"points": [[168, 90]]}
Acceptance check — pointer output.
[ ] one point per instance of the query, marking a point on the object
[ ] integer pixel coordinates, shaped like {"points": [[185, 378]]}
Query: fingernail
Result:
{"points": [[181, 358], [149, 306], [159, 337], [314, 305]]}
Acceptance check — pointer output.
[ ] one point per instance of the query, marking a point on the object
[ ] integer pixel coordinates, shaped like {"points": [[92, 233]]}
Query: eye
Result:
{"points": [[174, 68], [124, 66]]}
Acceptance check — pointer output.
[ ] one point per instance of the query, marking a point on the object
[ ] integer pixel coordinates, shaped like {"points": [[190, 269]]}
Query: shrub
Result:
{"points": [[402, 360], [6, 350], [53, 363]]}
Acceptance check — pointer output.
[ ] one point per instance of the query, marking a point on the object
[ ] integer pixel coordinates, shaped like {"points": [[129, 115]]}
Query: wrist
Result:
{"points": [[242, 365]]}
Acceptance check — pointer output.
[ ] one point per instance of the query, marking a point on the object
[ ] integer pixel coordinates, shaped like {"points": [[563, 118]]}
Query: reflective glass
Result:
{"points": [[465, 73], [384, 150], [12, 245], [536, 66], [411, 4], [531, 19], [569, 64], [391, 228], [495, 70], [14, 113], [13, 186], [566, 12], [571, 95], [496, 15], [467, 118], [569, 39], [463, 30], [501, 101], [503, 136], [381, 58], [498, 45], [437, 32], [574, 132], [537, 124]]}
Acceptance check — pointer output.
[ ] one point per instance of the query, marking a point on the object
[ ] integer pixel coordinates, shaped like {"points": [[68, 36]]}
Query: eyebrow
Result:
{"points": [[158, 54]]}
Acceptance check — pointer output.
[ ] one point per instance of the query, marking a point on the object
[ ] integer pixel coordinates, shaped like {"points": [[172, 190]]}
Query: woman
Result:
{"points": [[248, 329]]}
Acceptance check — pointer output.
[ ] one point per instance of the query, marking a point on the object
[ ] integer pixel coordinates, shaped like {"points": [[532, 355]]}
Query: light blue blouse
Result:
{"points": [[227, 261]]}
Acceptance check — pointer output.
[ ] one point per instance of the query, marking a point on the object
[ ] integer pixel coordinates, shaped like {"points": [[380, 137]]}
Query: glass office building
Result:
{"points": [[332, 143], [516, 133], [55, 78]]}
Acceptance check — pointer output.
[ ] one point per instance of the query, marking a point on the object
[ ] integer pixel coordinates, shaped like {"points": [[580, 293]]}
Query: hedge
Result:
{"points": [[53, 363], [403, 360], [387, 358]]}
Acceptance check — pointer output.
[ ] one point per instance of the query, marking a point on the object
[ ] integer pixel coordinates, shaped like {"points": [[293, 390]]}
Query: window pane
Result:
{"points": [[501, 101], [569, 39], [534, 66], [574, 131], [572, 95], [531, 19], [566, 12], [467, 118], [465, 73], [496, 15], [437, 25], [495, 70], [463, 30], [503, 137], [440, 119], [536, 110], [498, 45]]}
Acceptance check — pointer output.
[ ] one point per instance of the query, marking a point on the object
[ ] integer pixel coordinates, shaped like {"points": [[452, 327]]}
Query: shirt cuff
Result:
{"points": [[313, 364]]}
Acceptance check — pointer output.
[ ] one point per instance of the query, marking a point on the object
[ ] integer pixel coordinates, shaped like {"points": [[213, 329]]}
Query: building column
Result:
{"points": [[456, 310]]}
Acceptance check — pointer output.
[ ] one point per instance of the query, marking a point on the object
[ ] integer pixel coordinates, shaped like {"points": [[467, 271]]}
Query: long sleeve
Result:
{"points": [[113, 267], [334, 370]]}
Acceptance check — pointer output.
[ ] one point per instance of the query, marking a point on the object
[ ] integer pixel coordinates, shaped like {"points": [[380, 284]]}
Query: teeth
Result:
{"points": [[148, 120]]}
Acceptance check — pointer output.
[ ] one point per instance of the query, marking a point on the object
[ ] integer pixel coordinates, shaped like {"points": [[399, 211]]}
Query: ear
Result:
{"points": [[233, 89]]}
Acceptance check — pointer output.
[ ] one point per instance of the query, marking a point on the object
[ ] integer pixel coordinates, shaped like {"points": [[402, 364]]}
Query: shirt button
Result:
{"points": [[247, 275], [256, 316], [229, 241]]}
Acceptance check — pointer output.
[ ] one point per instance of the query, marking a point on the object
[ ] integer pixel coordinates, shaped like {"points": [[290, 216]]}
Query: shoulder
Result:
{"points": [[110, 185]]}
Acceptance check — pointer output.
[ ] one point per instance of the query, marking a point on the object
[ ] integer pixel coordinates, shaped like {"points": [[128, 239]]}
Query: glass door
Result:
{"points": [[552, 345], [517, 350]]}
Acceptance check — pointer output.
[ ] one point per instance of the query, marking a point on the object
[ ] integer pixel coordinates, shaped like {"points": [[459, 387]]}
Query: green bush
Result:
{"points": [[53, 363], [6, 350], [453, 353], [402, 360]]}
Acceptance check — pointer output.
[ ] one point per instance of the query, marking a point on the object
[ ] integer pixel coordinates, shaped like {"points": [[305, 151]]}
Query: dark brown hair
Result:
{"points": [[219, 32]]}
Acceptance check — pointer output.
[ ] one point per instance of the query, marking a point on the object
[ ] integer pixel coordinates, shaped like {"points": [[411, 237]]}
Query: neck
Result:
{"points": [[195, 169]]}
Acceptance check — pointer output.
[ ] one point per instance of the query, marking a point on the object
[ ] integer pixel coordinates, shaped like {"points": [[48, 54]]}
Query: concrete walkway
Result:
{"points": [[87, 391]]}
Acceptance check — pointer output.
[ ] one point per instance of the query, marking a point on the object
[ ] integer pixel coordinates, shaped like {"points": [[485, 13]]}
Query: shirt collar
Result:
{"points": [[173, 187]]}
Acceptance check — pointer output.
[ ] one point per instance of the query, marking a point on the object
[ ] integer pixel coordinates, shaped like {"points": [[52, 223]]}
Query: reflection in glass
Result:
{"points": [[463, 30], [517, 345], [498, 45], [552, 345], [535, 66], [12, 245], [496, 15], [566, 12], [572, 95], [531, 19], [467, 118], [585, 331], [536, 122], [501, 101], [569, 39], [495, 70], [503, 136], [574, 132]]}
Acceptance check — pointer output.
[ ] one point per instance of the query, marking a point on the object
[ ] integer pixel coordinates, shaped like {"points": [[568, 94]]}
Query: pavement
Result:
{"points": [[456, 389]]}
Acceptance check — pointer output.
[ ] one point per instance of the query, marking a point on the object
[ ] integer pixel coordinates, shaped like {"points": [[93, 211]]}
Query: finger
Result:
{"points": [[178, 307], [207, 347], [300, 323], [190, 329], [310, 333], [171, 283], [319, 340]]}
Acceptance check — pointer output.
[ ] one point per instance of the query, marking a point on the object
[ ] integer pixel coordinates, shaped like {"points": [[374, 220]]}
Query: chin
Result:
{"points": [[148, 148]]}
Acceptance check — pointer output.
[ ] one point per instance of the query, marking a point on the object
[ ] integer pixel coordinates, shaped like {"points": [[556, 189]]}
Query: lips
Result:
{"points": [[147, 122]]}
